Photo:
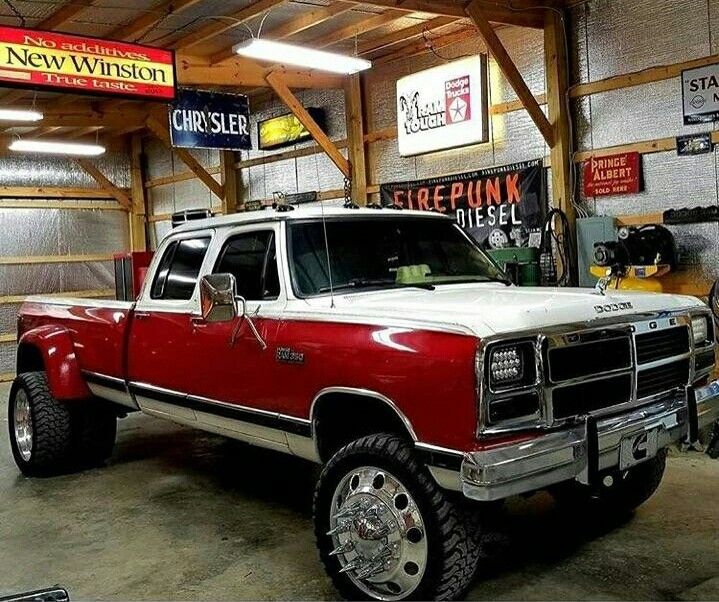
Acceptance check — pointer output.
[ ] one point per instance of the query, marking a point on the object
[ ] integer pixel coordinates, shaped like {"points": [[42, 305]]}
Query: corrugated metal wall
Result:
{"points": [[56, 231], [614, 37]]}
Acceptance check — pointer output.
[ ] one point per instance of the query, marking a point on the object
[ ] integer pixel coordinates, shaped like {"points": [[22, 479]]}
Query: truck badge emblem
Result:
{"points": [[289, 356], [612, 307]]}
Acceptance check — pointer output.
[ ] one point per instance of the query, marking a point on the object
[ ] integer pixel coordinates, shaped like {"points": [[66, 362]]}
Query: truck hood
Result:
{"points": [[488, 308]]}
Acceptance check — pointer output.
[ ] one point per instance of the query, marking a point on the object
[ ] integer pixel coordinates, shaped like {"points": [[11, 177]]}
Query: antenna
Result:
{"points": [[324, 229]]}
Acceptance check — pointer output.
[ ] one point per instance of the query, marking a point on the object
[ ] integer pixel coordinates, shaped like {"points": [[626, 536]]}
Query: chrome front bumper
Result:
{"points": [[584, 450]]}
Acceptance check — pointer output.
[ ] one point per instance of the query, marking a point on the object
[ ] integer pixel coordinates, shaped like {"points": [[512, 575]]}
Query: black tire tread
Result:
{"points": [[453, 565]]}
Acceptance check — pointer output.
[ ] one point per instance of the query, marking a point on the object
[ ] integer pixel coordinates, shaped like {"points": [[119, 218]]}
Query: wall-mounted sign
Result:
{"points": [[200, 119], [507, 197], [47, 60], [443, 107], [700, 94], [694, 144], [612, 174], [286, 130]]}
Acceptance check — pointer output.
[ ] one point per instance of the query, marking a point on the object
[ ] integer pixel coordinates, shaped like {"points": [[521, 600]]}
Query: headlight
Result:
{"points": [[511, 366], [700, 330]]}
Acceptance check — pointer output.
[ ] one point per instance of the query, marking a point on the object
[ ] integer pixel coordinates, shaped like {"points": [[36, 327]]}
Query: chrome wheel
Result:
{"points": [[22, 421], [378, 534]]}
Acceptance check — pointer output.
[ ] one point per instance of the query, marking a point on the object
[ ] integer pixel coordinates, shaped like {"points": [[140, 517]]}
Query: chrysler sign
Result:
{"points": [[443, 107], [47, 60]]}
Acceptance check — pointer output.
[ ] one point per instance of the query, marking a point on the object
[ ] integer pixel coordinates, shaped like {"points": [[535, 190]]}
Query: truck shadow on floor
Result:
{"points": [[524, 531]]}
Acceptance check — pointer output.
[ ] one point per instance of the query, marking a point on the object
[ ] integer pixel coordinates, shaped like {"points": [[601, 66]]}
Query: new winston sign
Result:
{"points": [[47, 60], [443, 107], [511, 196]]}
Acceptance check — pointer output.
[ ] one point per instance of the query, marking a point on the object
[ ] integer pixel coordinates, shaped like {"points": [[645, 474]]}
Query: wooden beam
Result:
{"points": [[506, 64], [64, 14], [240, 72], [138, 211], [293, 26], [65, 205], [644, 147], [403, 35], [422, 46], [161, 133], [276, 81], [637, 78], [164, 9], [447, 9], [556, 70], [85, 294], [356, 29], [179, 177], [230, 182], [119, 194], [79, 133], [52, 192], [10, 337], [306, 151], [354, 117], [221, 25], [42, 259]]}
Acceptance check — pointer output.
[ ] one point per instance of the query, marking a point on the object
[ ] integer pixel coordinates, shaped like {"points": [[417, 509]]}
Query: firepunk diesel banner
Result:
{"points": [[506, 198], [47, 60]]}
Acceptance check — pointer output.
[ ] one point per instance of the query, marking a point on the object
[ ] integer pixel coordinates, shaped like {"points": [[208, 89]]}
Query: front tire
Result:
{"points": [[385, 530], [40, 427]]}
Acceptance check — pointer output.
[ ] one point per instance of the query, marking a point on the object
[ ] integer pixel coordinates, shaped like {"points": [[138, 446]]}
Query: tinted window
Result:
{"points": [[252, 259], [384, 253], [178, 271]]}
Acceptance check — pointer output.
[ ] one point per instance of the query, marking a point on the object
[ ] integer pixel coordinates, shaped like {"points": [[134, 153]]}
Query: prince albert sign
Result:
{"points": [[511, 196]]}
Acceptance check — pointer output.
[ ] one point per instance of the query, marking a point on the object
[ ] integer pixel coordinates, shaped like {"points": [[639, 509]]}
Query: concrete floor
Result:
{"points": [[179, 515]]}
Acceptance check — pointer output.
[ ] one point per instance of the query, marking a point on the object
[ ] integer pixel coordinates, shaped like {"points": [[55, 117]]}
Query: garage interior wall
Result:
{"points": [[38, 234]]}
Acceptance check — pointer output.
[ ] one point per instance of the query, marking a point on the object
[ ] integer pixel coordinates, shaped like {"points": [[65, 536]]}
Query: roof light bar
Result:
{"points": [[291, 54], [20, 115], [56, 148]]}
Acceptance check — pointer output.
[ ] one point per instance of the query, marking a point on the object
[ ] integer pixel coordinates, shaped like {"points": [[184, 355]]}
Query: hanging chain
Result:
{"points": [[348, 192]]}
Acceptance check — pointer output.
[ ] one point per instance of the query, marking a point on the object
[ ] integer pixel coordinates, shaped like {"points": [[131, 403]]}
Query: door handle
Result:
{"points": [[198, 321], [142, 315]]}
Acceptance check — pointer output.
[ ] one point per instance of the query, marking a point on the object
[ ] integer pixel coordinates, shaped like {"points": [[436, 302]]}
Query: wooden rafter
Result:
{"points": [[221, 25], [355, 137], [160, 131], [421, 46], [405, 34], [65, 13], [294, 26], [506, 64], [79, 133], [165, 8], [356, 29], [102, 181], [276, 80]]}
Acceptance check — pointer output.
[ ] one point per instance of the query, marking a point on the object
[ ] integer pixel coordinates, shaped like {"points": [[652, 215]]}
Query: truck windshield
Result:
{"points": [[380, 253]]}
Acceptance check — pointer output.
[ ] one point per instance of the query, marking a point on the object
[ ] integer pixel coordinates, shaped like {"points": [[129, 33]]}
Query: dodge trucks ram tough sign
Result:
{"points": [[410, 368]]}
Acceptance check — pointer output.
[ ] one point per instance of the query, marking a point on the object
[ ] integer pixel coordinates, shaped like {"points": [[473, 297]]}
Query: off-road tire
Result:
{"points": [[94, 426], [51, 426], [453, 550], [629, 488]]}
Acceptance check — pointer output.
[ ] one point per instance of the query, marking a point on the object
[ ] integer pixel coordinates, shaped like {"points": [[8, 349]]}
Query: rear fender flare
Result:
{"points": [[55, 346]]}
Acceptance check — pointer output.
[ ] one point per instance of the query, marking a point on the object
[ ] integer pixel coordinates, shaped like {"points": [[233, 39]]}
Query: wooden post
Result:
{"points": [[355, 139], [138, 212], [476, 11], [275, 80], [230, 182]]}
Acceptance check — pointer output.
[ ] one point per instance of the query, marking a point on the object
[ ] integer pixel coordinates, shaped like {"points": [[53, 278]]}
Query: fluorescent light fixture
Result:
{"points": [[20, 115], [56, 148], [291, 54]]}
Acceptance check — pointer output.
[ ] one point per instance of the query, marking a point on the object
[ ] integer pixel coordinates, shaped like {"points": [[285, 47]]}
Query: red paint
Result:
{"points": [[428, 375], [612, 174]]}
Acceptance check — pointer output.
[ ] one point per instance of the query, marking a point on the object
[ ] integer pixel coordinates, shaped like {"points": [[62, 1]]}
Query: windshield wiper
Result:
{"points": [[367, 282], [504, 281]]}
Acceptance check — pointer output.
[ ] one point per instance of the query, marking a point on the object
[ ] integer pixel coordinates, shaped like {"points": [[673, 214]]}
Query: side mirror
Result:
{"points": [[217, 298]]}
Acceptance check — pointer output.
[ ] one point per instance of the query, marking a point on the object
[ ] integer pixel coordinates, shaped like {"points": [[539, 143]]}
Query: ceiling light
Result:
{"points": [[290, 54], [20, 115], [56, 148]]}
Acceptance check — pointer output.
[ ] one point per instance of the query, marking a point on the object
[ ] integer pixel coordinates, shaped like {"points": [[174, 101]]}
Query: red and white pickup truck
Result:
{"points": [[388, 347]]}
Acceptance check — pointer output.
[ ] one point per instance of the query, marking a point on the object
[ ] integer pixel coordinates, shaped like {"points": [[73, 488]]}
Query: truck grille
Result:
{"points": [[587, 359], [662, 378], [661, 344], [590, 396]]}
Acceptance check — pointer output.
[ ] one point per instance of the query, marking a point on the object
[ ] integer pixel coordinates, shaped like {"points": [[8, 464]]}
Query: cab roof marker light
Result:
{"points": [[20, 115], [57, 148], [300, 56]]}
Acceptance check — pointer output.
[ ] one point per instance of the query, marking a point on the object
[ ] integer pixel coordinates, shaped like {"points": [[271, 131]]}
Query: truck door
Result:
{"points": [[234, 386], [160, 364]]}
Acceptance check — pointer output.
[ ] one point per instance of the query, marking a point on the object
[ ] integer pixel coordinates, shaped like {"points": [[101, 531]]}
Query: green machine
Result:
{"points": [[520, 263]]}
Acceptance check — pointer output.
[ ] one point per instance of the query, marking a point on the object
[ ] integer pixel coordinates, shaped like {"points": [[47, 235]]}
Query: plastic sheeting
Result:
{"points": [[44, 170]]}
